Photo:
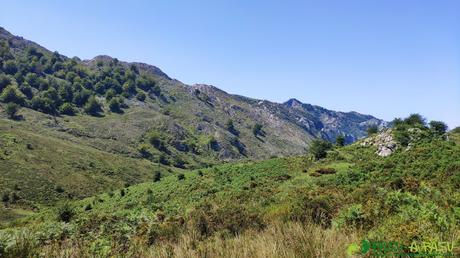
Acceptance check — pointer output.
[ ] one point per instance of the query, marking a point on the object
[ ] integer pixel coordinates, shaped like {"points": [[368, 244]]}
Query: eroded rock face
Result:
{"points": [[384, 141]]}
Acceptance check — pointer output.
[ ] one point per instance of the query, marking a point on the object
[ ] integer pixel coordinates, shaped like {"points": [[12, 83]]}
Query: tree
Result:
{"points": [[319, 148], [415, 119], [67, 109], [26, 90], [42, 104], [141, 96], [373, 129], [11, 110], [114, 105], [80, 98], [5, 81], [110, 94], [340, 140], [12, 94], [93, 107], [129, 88], [257, 130], [10, 67], [438, 127], [231, 127]]}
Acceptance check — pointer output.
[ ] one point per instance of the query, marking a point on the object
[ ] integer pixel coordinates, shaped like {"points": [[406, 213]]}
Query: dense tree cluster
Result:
{"points": [[54, 84]]}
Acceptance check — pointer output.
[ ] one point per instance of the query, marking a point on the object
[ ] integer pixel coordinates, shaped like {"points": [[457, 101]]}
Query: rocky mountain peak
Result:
{"points": [[292, 103]]}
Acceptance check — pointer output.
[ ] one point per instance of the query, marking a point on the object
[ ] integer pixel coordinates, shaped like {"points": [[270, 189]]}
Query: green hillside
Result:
{"points": [[305, 207]]}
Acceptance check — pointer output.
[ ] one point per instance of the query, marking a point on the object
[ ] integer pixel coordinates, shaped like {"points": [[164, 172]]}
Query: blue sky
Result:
{"points": [[385, 58]]}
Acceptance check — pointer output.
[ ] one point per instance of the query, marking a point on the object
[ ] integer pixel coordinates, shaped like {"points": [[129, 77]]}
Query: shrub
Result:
{"points": [[319, 148], [65, 213], [59, 189], [326, 171], [114, 105], [11, 110], [415, 119], [231, 127], [157, 176], [317, 209], [5, 197], [140, 96], [143, 149], [373, 129], [93, 107], [229, 218], [340, 140], [352, 216], [67, 109], [12, 94], [257, 130], [438, 127]]}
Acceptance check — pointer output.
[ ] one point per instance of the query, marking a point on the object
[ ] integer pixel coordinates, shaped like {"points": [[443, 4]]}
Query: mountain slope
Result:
{"points": [[134, 113], [352, 194], [199, 109]]}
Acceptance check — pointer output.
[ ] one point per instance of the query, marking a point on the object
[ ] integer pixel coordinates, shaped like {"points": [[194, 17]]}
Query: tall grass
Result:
{"points": [[277, 240]]}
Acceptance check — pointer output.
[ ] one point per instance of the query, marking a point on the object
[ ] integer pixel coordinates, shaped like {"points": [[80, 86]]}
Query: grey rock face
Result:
{"points": [[384, 142]]}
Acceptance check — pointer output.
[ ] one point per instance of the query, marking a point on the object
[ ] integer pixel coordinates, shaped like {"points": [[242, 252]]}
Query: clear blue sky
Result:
{"points": [[385, 58]]}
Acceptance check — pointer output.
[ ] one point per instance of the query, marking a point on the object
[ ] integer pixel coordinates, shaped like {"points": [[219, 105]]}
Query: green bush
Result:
{"points": [[438, 127], [373, 129], [312, 209], [11, 110], [140, 96], [340, 140], [319, 148], [353, 216], [114, 105], [157, 176], [65, 213], [93, 107], [67, 109], [12, 94]]}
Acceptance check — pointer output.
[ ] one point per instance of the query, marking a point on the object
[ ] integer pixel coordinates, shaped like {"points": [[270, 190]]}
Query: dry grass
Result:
{"points": [[278, 240]]}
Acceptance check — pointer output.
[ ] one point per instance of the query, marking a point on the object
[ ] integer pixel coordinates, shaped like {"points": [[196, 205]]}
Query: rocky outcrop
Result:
{"points": [[384, 142]]}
